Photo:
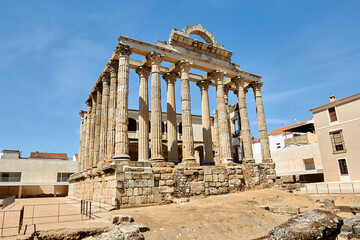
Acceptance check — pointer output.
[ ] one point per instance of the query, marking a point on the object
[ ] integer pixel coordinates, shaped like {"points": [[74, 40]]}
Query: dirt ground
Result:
{"points": [[231, 216]]}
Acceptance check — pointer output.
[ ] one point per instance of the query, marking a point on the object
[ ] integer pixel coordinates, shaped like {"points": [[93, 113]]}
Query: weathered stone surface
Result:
{"points": [[314, 224], [351, 227], [329, 204], [67, 233], [124, 231], [283, 209], [121, 219]]}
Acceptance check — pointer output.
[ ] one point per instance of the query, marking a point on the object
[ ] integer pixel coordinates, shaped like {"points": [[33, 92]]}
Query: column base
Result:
{"points": [[157, 159], [189, 162], [122, 159]]}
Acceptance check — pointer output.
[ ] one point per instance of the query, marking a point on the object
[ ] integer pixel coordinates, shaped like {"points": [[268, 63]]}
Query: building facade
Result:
{"points": [[295, 152], [338, 128], [107, 160], [42, 174]]}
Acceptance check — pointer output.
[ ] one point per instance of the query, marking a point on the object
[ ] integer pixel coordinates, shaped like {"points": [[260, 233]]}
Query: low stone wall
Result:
{"points": [[140, 183]]}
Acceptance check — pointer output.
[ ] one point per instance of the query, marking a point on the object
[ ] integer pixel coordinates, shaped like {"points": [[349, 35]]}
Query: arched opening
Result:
{"points": [[132, 125], [180, 128]]}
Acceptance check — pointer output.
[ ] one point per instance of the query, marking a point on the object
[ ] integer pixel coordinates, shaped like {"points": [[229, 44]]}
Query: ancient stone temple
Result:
{"points": [[109, 171]]}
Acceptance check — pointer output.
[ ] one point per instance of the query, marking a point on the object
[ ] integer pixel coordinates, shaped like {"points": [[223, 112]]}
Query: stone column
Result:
{"points": [[224, 136], [121, 117], [173, 154], [97, 126], [81, 157], [156, 133], [92, 130], [87, 137], [226, 96], [187, 130], [206, 124], [83, 145], [264, 140], [104, 117], [216, 138], [110, 151], [143, 145], [245, 134]]}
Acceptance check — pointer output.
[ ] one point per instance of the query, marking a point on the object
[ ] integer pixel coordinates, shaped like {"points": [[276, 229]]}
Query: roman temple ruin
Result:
{"points": [[111, 173]]}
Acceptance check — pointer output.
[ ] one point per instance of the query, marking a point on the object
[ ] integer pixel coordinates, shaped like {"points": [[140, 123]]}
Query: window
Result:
{"points": [[343, 166], [10, 177], [309, 164], [278, 145], [63, 177], [132, 124], [332, 114], [337, 141], [180, 128]]}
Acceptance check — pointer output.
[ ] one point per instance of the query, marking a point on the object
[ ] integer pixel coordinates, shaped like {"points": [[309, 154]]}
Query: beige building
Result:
{"points": [[338, 128], [295, 152], [40, 174]]}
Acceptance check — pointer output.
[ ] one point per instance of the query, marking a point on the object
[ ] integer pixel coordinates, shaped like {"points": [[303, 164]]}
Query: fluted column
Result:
{"points": [[121, 117], [206, 124], [143, 145], [156, 132], [216, 138], [110, 148], [226, 96], [105, 77], [187, 130], [173, 155], [92, 130], [81, 138], [87, 137], [245, 134], [97, 126], [264, 140], [224, 136], [83, 145]]}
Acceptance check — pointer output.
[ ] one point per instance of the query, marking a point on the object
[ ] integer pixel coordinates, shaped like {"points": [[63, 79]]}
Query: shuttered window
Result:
{"points": [[337, 141], [332, 114], [343, 167]]}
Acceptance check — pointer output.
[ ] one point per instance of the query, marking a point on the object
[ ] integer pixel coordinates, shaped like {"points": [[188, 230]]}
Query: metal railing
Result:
{"points": [[333, 188]]}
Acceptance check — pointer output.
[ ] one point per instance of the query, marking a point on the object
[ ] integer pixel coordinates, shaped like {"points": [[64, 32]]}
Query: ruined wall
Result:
{"points": [[139, 183]]}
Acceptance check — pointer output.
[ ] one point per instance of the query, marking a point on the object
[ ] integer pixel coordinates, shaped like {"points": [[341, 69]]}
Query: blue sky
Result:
{"points": [[52, 52]]}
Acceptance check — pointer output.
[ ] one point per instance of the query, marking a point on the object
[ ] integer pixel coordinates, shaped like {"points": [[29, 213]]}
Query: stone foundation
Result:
{"points": [[142, 183]]}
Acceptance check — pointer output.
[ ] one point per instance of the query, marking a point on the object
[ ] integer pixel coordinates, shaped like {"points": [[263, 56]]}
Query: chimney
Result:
{"points": [[332, 98]]}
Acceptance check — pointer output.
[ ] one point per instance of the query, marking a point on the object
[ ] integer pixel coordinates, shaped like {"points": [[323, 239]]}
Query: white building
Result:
{"points": [[41, 174], [295, 152]]}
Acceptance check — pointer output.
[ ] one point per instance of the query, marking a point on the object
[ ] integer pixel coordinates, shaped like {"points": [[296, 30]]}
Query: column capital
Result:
{"points": [[88, 102], [256, 85], [170, 77], [113, 65], [143, 71], [98, 87], [183, 66], [217, 75], [123, 50], [93, 94], [203, 84], [154, 58], [82, 114], [105, 77]]}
